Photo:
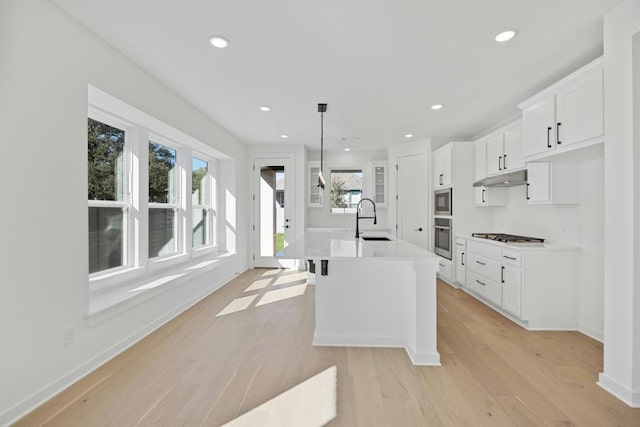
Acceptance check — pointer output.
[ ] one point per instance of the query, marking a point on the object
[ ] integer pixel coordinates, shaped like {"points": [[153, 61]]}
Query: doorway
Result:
{"points": [[273, 209], [412, 206]]}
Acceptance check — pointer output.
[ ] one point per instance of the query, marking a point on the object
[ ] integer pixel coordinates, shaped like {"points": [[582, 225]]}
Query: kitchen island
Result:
{"points": [[372, 293]]}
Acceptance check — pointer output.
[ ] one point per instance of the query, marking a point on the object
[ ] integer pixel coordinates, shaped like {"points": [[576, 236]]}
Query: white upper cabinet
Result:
{"points": [[379, 183], [580, 110], [442, 167], [566, 116], [314, 194], [495, 153], [553, 183], [513, 158], [480, 160], [500, 152]]}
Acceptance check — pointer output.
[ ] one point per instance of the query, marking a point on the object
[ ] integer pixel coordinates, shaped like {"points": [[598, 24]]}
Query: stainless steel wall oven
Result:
{"points": [[442, 237]]}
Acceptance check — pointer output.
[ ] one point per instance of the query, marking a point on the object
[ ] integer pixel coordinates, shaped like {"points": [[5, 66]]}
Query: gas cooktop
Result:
{"points": [[508, 238]]}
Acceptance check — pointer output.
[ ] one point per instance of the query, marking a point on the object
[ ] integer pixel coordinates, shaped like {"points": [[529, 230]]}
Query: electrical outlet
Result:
{"points": [[67, 336]]}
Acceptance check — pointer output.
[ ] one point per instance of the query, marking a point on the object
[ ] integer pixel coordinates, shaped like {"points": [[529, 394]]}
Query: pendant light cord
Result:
{"points": [[321, 142]]}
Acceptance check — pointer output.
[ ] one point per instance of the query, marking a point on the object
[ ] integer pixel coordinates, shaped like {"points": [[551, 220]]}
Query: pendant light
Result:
{"points": [[322, 108]]}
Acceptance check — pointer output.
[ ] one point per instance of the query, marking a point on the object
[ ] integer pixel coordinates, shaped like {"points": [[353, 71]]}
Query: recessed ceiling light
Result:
{"points": [[284, 136], [409, 135], [505, 36], [265, 108], [437, 107], [218, 41], [347, 149], [506, 182]]}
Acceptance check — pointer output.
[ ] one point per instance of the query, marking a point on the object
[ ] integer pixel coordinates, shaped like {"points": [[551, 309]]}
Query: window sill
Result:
{"points": [[107, 301]]}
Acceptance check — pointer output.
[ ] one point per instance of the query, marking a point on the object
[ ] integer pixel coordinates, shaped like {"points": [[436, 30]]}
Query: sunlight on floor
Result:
{"points": [[274, 272], [282, 280], [310, 403], [258, 284], [282, 294], [237, 304]]}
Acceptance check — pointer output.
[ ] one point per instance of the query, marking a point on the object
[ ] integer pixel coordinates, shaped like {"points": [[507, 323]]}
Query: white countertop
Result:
{"points": [[523, 246], [335, 245]]}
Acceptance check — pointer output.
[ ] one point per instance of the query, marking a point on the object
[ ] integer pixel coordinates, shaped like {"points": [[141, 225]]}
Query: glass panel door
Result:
{"points": [[273, 224]]}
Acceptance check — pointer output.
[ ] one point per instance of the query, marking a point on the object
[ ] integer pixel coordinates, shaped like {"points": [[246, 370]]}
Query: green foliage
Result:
{"points": [[338, 193], [105, 161], [161, 173], [196, 184]]}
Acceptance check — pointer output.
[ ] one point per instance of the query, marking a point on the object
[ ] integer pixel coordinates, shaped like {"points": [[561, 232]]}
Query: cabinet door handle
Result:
{"points": [[504, 162], [509, 257], [549, 137], [502, 275], [440, 178], [499, 163], [558, 132], [462, 258], [441, 264], [481, 263], [459, 244], [483, 190], [528, 198], [480, 283]]}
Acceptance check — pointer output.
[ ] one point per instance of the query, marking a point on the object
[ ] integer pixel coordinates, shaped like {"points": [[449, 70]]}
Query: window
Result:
{"points": [[142, 219], [163, 206], [107, 196], [200, 203], [346, 190]]}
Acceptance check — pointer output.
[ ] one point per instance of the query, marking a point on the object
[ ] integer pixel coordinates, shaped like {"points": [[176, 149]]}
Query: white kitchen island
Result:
{"points": [[374, 293]]}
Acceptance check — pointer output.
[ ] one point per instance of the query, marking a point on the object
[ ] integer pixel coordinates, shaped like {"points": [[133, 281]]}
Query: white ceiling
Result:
{"points": [[378, 64]]}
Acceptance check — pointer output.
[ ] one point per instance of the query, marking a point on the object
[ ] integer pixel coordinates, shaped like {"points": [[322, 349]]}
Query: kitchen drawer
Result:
{"points": [[511, 257], [446, 270], [488, 251], [487, 267], [461, 243], [486, 288]]}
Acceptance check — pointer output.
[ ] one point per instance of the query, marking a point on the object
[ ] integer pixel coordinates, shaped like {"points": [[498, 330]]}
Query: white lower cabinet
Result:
{"points": [[537, 287], [485, 287], [512, 290], [461, 261], [446, 270]]}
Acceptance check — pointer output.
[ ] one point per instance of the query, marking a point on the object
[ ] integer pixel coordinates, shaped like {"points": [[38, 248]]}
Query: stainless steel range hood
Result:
{"points": [[505, 180]]}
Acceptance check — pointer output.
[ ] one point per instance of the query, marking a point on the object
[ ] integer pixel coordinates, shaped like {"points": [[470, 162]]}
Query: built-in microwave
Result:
{"points": [[443, 200]]}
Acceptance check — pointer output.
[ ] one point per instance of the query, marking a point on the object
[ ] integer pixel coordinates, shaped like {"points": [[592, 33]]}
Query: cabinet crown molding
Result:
{"points": [[592, 66]]}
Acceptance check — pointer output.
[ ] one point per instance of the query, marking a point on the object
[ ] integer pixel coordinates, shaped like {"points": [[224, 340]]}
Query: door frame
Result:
{"points": [[257, 163]]}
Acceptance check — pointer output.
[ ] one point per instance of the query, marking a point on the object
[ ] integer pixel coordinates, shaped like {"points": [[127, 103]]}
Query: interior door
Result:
{"points": [[413, 196], [273, 209]]}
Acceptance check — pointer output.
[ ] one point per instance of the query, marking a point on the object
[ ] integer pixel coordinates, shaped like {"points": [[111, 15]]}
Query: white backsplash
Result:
{"points": [[554, 223]]}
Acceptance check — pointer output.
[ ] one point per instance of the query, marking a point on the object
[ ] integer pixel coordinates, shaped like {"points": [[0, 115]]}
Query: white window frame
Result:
{"points": [[140, 129], [209, 206], [128, 237], [179, 214]]}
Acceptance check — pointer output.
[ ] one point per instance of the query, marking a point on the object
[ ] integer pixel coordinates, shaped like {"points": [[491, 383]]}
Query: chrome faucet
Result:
{"points": [[358, 217]]}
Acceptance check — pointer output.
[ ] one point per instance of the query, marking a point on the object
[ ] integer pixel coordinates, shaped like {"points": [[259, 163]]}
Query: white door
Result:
{"points": [[512, 285], [513, 140], [413, 195], [273, 209]]}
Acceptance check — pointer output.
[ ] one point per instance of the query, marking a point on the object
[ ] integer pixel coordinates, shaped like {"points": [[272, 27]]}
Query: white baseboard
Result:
{"points": [[628, 396], [424, 359], [357, 341], [591, 333], [49, 391]]}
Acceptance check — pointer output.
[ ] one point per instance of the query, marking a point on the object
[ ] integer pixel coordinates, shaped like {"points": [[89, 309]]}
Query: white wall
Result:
{"points": [[47, 59], [621, 375], [321, 217], [581, 225]]}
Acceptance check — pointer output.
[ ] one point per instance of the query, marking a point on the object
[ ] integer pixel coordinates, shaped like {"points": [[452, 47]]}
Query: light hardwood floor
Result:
{"points": [[207, 369]]}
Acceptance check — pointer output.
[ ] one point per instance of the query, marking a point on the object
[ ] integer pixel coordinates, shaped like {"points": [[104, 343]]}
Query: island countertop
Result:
{"points": [[337, 245]]}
